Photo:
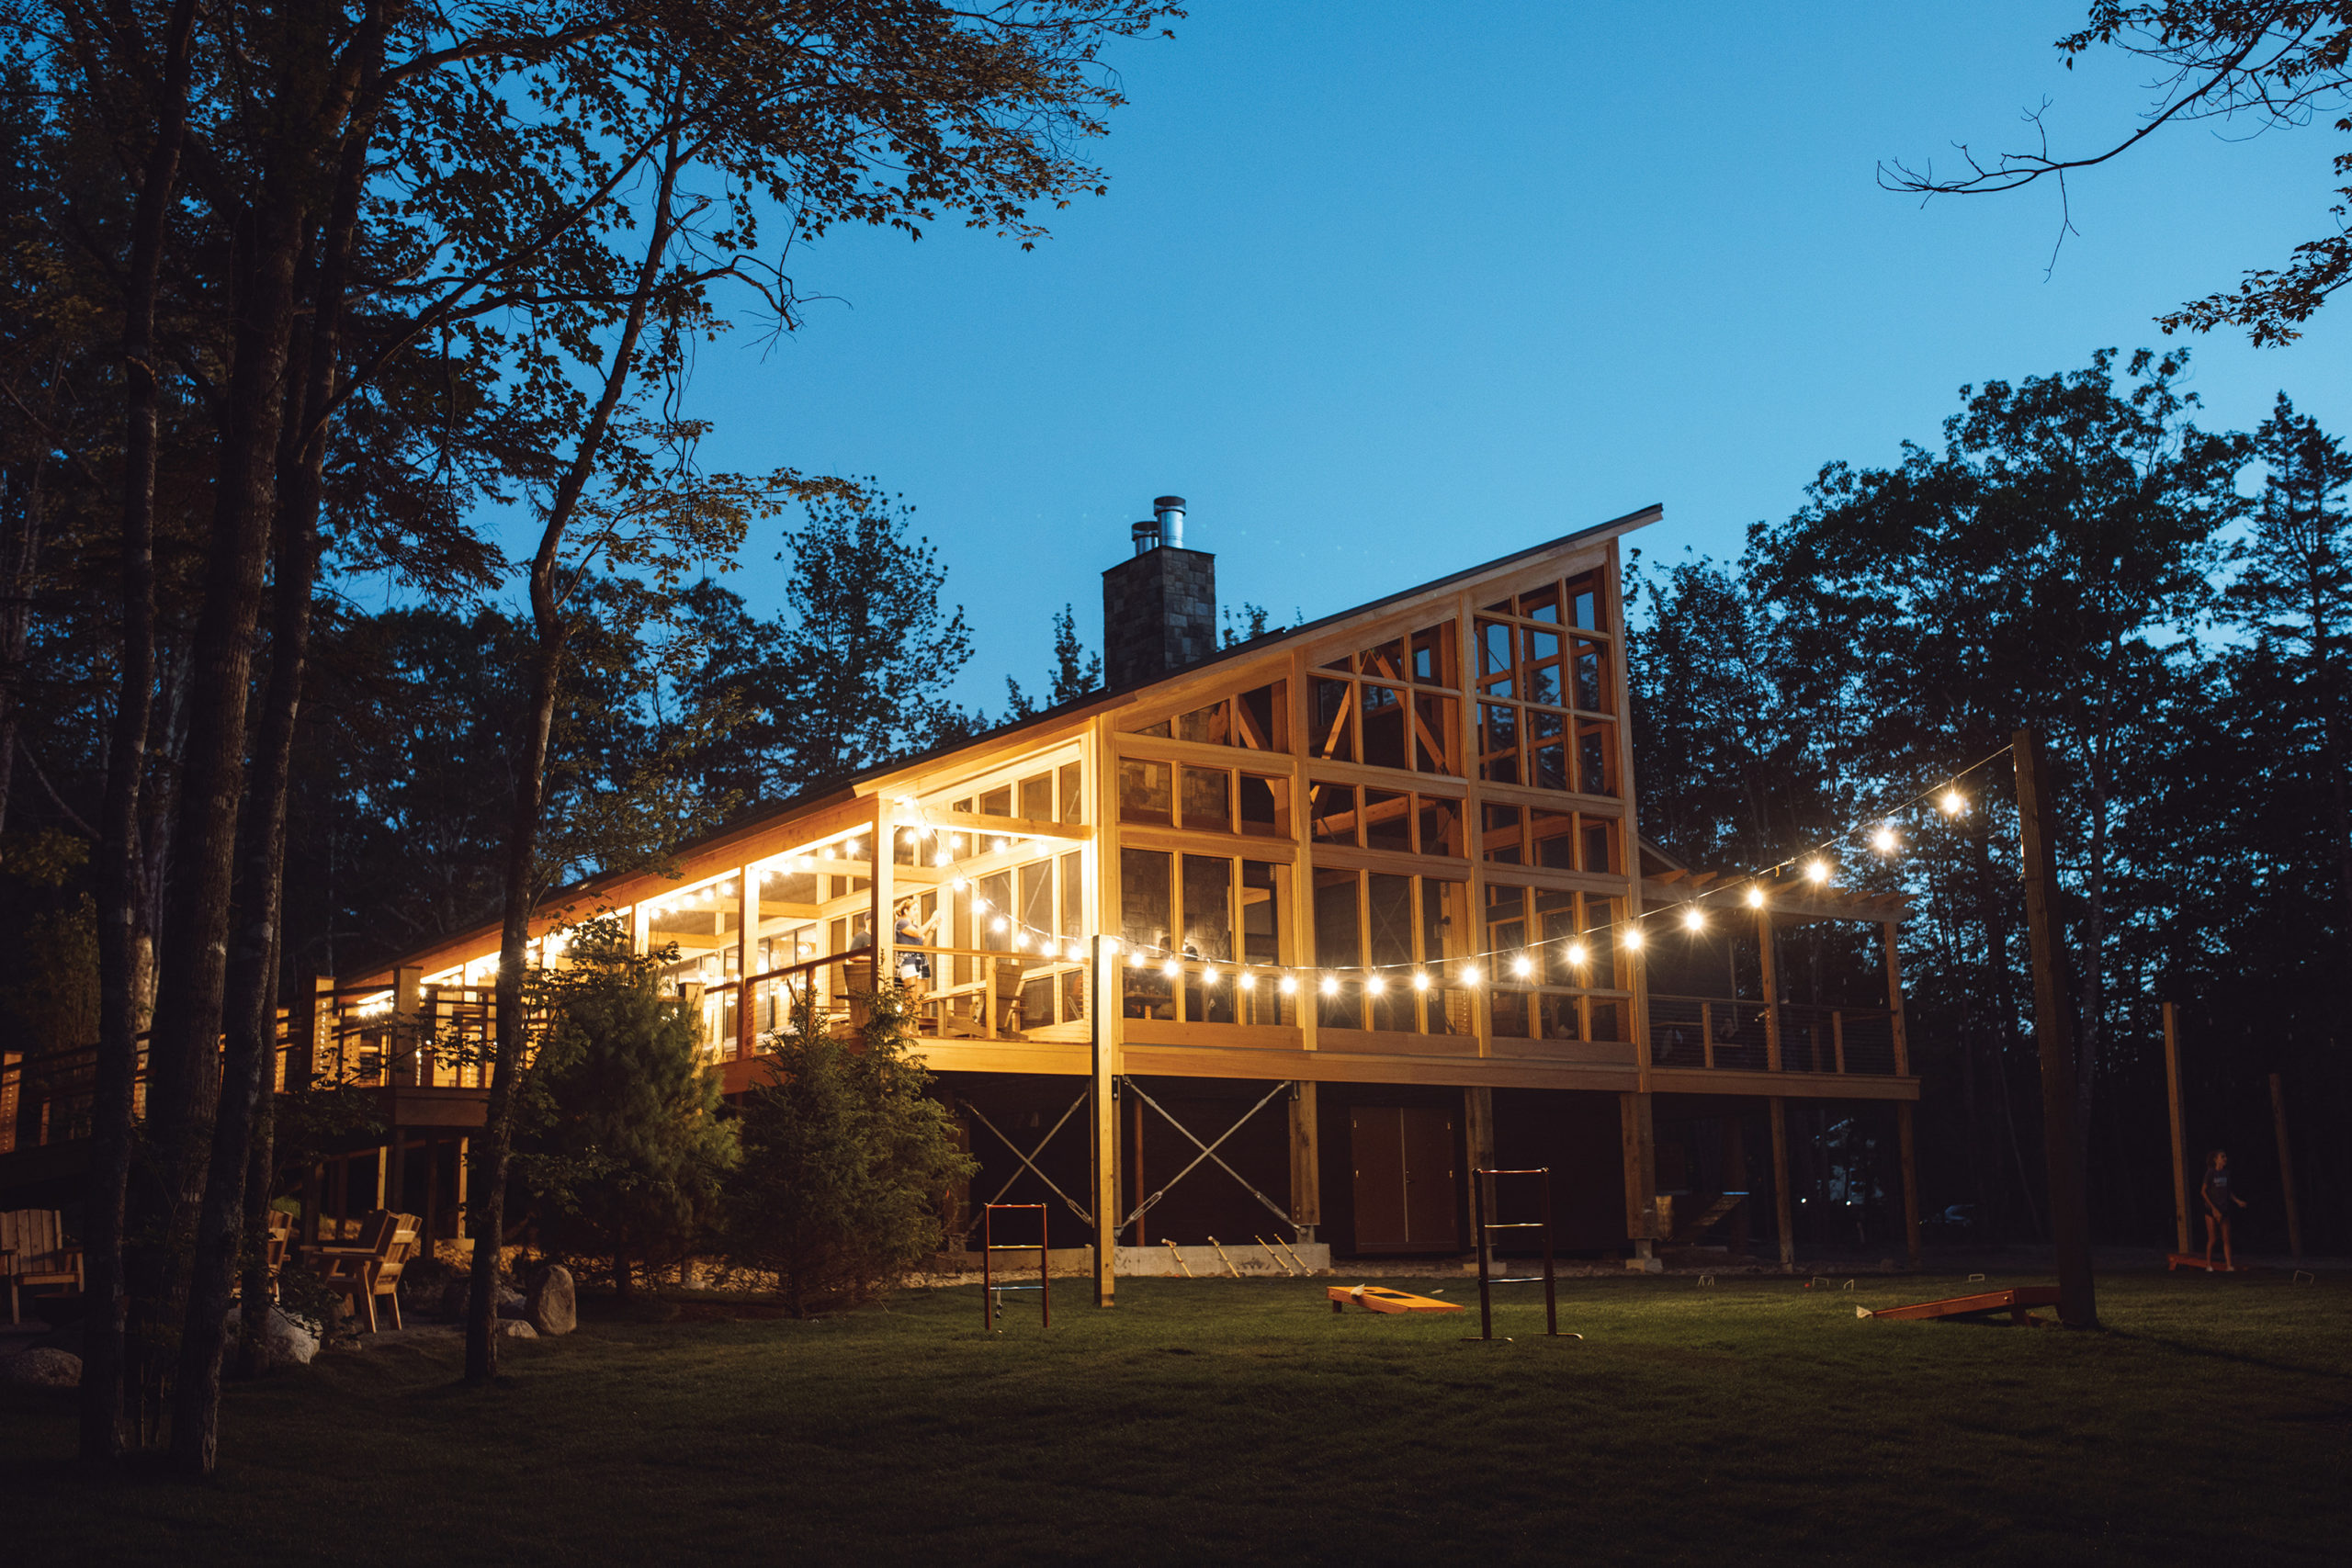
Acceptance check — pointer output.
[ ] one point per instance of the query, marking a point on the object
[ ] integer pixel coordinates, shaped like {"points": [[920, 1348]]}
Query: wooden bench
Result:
{"points": [[33, 1252], [2016, 1303]]}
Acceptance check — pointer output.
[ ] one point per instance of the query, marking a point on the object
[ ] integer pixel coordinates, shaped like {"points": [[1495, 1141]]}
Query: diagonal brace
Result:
{"points": [[1029, 1161], [1208, 1152]]}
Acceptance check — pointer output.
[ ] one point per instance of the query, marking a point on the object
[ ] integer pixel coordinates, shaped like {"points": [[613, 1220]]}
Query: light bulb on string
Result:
{"points": [[1373, 985], [1289, 985], [1633, 939], [1755, 896], [1134, 961], [997, 924], [1817, 870], [1172, 969], [1692, 920], [1952, 802], [957, 882], [1208, 975], [1577, 954], [1522, 967], [1884, 840], [1420, 982], [1330, 984], [1245, 981], [1470, 974]]}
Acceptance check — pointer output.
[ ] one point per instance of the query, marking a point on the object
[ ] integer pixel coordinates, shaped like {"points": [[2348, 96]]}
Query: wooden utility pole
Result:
{"points": [[2061, 1143], [2180, 1142], [2285, 1169]]}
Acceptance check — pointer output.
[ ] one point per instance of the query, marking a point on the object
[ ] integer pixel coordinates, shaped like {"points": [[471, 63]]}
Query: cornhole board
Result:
{"points": [[2016, 1302], [1380, 1298], [2197, 1260]]}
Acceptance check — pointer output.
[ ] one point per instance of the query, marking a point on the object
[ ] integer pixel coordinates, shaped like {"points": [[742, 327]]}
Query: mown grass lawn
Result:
{"points": [[1218, 1420]]}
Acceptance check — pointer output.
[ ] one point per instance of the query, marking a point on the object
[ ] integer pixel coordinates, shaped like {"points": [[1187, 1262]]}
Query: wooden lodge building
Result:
{"points": [[1357, 907]]}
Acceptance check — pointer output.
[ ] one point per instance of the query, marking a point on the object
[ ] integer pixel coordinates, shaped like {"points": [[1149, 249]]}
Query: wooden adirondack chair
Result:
{"points": [[371, 1266], [33, 1252]]}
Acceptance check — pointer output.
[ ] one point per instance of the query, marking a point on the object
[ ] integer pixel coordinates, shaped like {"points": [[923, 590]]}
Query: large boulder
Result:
{"points": [[551, 1306], [42, 1367], [285, 1341]]}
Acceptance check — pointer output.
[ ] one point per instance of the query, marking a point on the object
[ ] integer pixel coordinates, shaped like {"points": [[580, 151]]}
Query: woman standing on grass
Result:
{"points": [[2218, 1198]]}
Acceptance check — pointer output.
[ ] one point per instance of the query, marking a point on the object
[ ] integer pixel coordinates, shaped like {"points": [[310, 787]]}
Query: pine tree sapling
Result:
{"points": [[846, 1161]]}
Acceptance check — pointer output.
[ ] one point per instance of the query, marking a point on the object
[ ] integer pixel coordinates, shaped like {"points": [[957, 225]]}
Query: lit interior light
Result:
{"points": [[1578, 952], [1522, 967], [1816, 870], [1330, 984], [1883, 840], [1172, 969], [1953, 803], [1376, 985], [1420, 982], [1634, 938], [1289, 985], [1693, 919]]}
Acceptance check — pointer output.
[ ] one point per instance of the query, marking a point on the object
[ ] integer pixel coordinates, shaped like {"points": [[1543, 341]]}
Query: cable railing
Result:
{"points": [[1724, 1034]]}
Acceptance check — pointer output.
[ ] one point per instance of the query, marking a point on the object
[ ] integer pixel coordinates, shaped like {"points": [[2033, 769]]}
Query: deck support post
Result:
{"points": [[1784, 1207], [1639, 1143], [2285, 1169], [1478, 1140], [1103, 1119], [2179, 1145], [1305, 1161], [2062, 1132], [1910, 1180]]}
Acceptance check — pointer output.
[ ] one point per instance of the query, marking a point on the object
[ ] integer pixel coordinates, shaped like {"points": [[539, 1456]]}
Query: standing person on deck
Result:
{"points": [[2218, 1198], [915, 968]]}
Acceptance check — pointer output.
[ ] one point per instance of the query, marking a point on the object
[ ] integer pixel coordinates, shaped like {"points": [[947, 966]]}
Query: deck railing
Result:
{"points": [[1719, 1033]]}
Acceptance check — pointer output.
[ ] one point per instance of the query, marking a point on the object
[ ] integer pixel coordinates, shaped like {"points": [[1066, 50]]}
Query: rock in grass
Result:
{"points": [[516, 1328], [286, 1342], [551, 1306], [42, 1367]]}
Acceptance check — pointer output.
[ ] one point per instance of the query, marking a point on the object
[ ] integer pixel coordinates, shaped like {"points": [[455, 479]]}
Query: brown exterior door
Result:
{"points": [[1403, 1159]]}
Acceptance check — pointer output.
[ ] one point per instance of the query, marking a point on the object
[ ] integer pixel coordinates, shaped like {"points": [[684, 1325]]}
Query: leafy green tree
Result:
{"points": [[630, 1147], [847, 1162]]}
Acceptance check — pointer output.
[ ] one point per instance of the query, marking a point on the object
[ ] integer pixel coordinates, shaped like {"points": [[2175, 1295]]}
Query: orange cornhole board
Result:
{"points": [[2014, 1303], [1380, 1298], [2196, 1261]]}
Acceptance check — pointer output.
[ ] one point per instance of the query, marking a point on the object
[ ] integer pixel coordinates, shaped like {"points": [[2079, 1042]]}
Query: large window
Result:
{"points": [[1203, 800], [1562, 840], [1414, 932], [1390, 705], [1371, 818], [1197, 912], [1547, 690], [1558, 967], [1256, 720]]}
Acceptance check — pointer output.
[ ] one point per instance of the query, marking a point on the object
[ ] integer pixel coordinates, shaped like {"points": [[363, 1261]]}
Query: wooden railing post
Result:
{"points": [[1838, 1038], [1771, 992], [1707, 1034]]}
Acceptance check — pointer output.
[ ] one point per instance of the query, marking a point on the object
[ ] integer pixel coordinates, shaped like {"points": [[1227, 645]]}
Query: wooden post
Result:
{"points": [[1479, 1135], [464, 1160], [884, 850], [2062, 1145], [1771, 971], [1785, 1209], [2285, 1169], [747, 946], [2179, 1141], [1105, 1119], [1910, 1180], [1895, 999], [1640, 1148], [1306, 1162], [396, 1183]]}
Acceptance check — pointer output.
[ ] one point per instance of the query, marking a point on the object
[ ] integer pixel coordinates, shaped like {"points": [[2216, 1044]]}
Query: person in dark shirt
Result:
{"points": [[2218, 1202]]}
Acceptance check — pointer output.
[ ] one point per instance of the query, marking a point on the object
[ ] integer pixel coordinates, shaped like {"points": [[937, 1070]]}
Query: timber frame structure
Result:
{"points": [[1346, 861]]}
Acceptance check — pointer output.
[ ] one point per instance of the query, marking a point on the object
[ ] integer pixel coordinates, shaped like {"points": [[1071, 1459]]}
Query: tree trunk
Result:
{"points": [[183, 1049], [123, 910], [493, 1153], [250, 980]]}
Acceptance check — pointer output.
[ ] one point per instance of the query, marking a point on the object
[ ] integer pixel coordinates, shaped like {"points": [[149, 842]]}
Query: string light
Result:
{"points": [[1953, 802], [1208, 975], [1373, 985], [1330, 984], [1692, 920], [1470, 974], [1884, 840], [958, 883], [1755, 896], [1577, 954], [1172, 969], [1816, 870], [1522, 967], [1135, 960], [1245, 981], [997, 924], [1420, 981], [1289, 985], [1632, 938]]}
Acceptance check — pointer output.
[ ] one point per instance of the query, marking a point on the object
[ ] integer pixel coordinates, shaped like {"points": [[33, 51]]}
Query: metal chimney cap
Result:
{"points": [[1168, 502]]}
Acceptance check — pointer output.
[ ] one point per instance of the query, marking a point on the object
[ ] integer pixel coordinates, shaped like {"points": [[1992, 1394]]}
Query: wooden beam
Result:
{"points": [[1012, 827], [1103, 1198], [1305, 1161], [1894, 998], [1910, 1182], [2179, 1144], [1786, 1209], [2061, 1143], [1639, 1146]]}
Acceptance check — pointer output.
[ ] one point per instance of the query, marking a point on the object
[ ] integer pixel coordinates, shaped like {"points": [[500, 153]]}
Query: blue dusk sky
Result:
{"points": [[1385, 291]]}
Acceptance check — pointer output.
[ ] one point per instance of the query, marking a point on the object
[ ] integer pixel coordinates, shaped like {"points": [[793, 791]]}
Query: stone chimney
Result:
{"points": [[1159, 606]]}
